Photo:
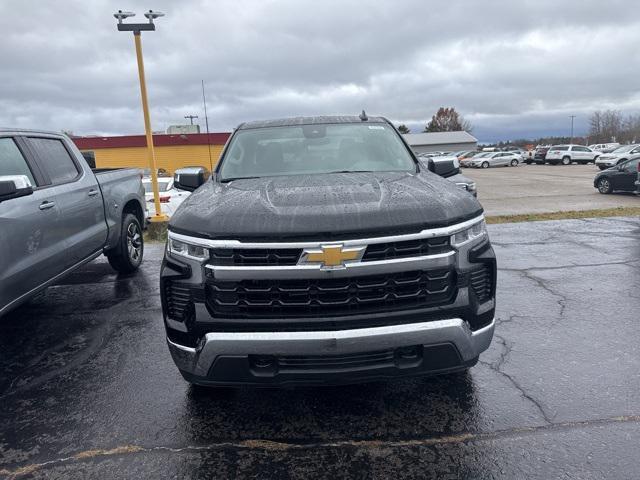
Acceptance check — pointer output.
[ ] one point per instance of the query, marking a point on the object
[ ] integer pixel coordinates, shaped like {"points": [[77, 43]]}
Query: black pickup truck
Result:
{"points": [[322, 251]]}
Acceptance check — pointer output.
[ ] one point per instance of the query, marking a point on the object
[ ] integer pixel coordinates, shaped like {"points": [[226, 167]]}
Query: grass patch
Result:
{"points": [[156, 232], [536, 217]]}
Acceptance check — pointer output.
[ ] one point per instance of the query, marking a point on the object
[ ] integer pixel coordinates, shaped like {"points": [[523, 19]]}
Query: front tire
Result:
{"points": [[514, 163], [127, 257], [485, 165], [604, 186], [566, 160]]}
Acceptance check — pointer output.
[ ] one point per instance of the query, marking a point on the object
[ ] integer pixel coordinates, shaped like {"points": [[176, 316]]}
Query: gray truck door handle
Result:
{"points": [[46, 205], [93, 193]]}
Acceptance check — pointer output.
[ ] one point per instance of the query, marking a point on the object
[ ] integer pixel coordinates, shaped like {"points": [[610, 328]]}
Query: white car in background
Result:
{"points": [[604, 147], [619, 155], [494, 159], [566, 154], [170, 197]]}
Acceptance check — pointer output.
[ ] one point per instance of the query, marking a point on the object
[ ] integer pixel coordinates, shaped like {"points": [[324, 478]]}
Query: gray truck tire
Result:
{"points": [[127, 257]]}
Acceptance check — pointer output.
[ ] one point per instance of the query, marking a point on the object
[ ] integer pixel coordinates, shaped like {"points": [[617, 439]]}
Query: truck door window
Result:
{"points": [[11, 160], [55, 159]]}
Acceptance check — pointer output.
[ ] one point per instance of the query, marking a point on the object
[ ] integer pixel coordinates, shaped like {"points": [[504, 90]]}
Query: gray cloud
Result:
{"points": [[513, 68]]}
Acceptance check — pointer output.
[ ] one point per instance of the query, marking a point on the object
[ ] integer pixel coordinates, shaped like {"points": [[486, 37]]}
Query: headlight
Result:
{"points": [[474, 232], [187, 250]]}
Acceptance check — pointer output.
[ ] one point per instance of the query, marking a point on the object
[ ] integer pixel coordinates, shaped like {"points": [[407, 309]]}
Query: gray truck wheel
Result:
{"points": [[127, 257], [566, 160]]}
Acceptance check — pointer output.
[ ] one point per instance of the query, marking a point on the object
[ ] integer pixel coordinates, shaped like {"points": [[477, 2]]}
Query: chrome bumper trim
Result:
{"points": [[198, 361]]}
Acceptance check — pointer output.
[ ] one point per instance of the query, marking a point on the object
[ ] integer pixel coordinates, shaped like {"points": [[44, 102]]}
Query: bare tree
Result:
{"points": [[448, 120], [606, 126]]}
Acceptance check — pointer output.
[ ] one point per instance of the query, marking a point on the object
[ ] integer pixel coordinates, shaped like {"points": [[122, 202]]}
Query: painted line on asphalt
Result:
{"points": [[271, 445]]}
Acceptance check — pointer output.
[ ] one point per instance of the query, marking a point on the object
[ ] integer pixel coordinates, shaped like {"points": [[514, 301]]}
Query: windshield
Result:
{"points": [[315, 149], [163, 186], [624, 149]]}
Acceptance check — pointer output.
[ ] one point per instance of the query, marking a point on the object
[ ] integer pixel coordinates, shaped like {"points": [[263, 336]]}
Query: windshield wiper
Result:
{"points": [[352, 171], [231, 179]]}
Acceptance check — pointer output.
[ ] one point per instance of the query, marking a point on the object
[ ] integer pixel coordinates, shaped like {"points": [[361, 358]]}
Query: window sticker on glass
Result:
{"points": [[375, 127]]}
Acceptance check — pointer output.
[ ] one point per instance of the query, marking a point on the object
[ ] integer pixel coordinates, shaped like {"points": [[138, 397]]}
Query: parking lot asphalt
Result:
{"points": [[542, 189], [88, 389]]}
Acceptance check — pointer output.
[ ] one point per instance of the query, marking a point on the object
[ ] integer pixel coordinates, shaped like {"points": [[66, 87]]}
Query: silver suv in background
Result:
{"points": [[57, 214], [618, 156], [567, 154]]}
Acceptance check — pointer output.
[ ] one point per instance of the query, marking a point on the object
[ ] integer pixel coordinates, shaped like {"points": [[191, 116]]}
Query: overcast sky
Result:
{"points": [[513, 68]]}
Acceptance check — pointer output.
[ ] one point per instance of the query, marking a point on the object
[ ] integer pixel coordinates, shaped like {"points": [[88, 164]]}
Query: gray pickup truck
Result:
{"points": [[322, 251], [57, 214]]}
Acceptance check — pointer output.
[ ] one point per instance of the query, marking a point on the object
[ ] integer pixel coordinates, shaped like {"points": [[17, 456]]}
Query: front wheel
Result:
{"points": [[127, 257], [604, 185], [566, 160], [485, 165], [514, 163]]}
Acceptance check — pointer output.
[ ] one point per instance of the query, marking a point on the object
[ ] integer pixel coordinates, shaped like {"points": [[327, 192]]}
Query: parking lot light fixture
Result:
{"points": [[136, 28]]}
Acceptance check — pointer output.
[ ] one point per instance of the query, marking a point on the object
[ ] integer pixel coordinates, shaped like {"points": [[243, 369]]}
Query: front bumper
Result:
{"points": [[328, 357], [605, 163]]}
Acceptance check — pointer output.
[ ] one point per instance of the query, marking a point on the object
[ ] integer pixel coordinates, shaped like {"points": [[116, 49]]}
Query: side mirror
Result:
{"points": [[14, 186], [190, 178]]}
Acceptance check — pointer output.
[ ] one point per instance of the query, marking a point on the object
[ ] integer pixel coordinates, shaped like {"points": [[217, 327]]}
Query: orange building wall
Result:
{"points": [[169, 158]]}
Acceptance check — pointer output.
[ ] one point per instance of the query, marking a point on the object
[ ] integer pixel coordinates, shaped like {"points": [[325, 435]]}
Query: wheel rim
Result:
{"points": [[514, 163], [603, 185], [134, 242], [485, 165], [566, 161]]}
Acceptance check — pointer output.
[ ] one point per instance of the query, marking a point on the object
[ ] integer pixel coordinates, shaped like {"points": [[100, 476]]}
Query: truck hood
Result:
{"points": [[323, 206]]}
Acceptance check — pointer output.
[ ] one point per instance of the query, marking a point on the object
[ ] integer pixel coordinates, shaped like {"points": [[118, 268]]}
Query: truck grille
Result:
{"points": [[482, 282], [331, 296], [407, 248], [255, 257], [290, 256], [337, 362]]}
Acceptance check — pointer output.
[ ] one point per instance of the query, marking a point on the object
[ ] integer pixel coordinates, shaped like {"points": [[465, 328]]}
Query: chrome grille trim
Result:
{"points": [[428, 262]]}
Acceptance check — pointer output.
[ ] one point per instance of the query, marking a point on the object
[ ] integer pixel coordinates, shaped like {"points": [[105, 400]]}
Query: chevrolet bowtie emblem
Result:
{"points": [[332, 257]]}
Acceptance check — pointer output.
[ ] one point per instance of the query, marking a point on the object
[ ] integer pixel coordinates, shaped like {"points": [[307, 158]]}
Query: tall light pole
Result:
{"points": [[572, 117], [136, 28]]}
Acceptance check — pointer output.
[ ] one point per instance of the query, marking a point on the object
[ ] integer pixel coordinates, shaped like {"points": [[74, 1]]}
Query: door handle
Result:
{"points": [[93, 193], [46, 205]]}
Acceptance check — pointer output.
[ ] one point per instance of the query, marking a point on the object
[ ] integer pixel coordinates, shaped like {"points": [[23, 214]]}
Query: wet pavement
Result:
{"points": [[88, 389]]}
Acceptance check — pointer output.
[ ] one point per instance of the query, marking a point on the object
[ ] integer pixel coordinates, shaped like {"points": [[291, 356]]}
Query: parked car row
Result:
{"points": [[492, 159]]}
